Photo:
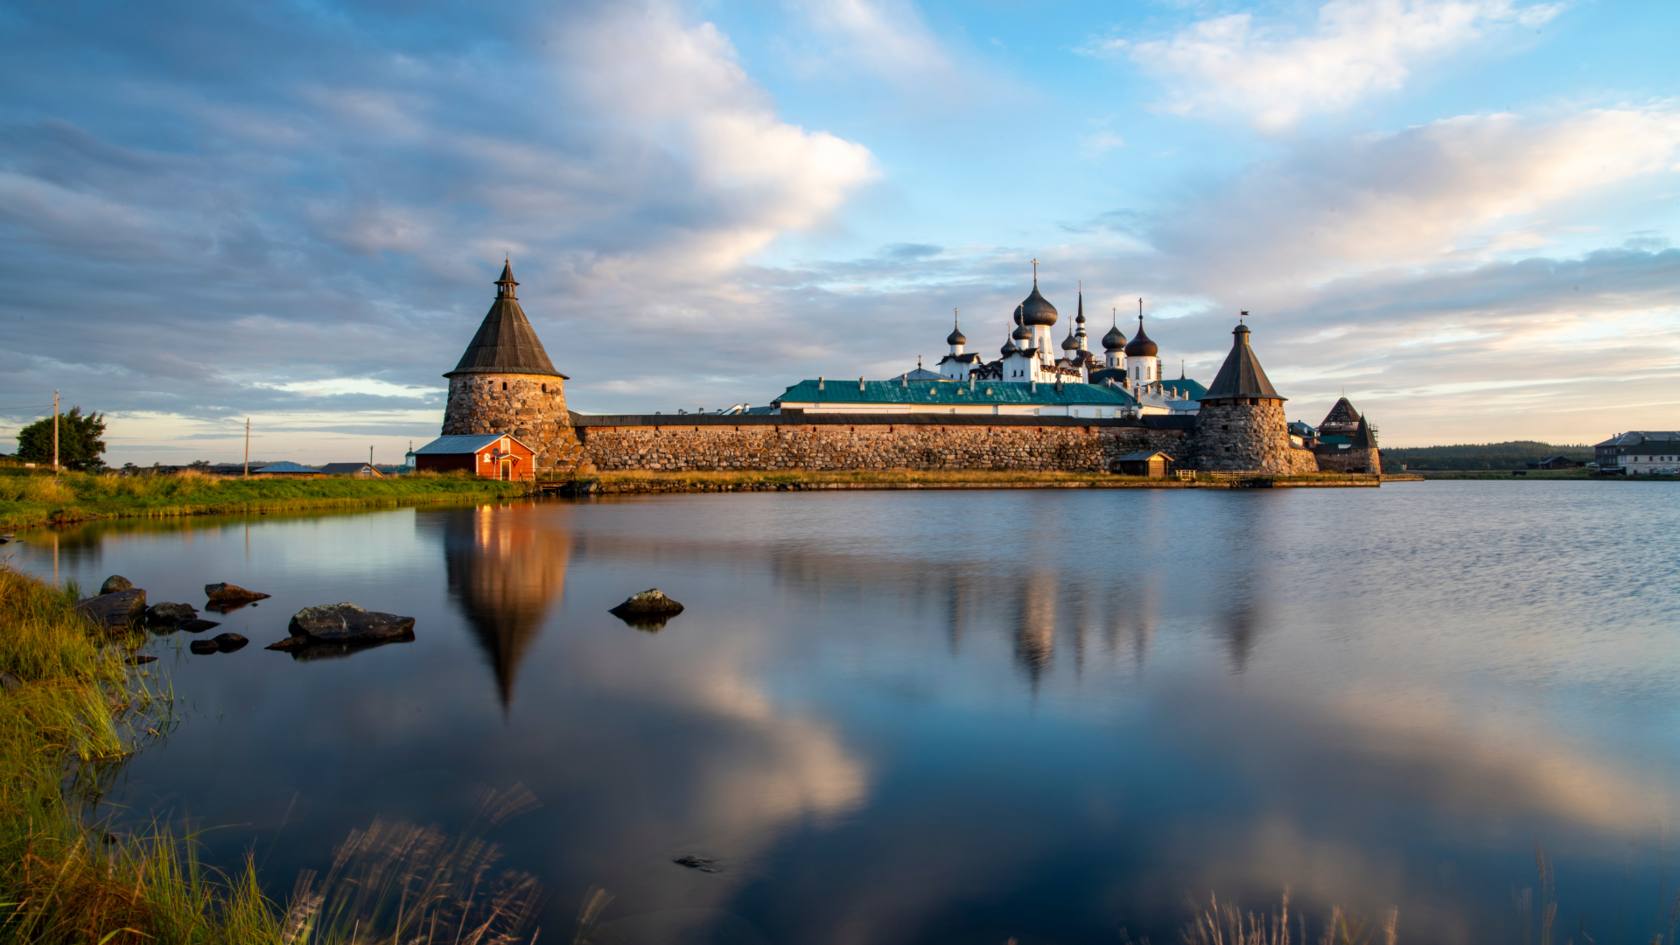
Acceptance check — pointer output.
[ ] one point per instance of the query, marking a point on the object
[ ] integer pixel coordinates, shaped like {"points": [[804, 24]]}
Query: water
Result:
{"points": [[960, 716]]}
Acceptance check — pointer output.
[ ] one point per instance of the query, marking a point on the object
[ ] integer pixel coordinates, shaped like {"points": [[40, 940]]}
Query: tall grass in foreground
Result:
{"points": [[1225, 924], [73, 712]]}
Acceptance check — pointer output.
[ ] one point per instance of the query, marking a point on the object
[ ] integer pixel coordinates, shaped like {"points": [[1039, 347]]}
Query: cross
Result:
{"points": [[1035, 272]]}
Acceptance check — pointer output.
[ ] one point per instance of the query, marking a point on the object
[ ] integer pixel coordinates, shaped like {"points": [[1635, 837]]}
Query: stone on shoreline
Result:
{"points": [[114, 610], [344, 625], [649, 603], [231, 594], [115, 583], [164, 613]]}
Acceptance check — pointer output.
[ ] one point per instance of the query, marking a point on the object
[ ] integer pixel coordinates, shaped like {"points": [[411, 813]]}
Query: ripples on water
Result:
{"points": [[960, 716]]}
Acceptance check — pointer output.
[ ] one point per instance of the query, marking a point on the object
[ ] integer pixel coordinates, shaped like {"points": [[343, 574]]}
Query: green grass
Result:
{"points": [[31, 497], [77, 712]]}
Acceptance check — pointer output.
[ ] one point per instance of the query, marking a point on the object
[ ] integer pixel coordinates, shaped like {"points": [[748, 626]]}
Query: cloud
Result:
{"points": [[1454, 190], [886, 38], [331, 201], [1358, 48]]}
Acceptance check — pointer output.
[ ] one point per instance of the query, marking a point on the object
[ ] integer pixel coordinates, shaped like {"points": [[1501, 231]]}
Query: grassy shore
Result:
{"points": [[35, 498], [71, 710]]}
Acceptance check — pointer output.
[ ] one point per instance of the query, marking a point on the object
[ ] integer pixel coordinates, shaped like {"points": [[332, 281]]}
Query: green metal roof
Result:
{"points": [[1184, 385], [952, 393]]}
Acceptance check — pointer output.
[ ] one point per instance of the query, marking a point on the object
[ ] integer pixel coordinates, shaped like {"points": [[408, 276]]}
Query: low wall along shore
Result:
{"points": [[870, 441]]}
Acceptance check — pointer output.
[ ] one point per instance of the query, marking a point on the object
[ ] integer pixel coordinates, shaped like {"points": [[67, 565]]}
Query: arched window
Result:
{"points": [[545, 388]]}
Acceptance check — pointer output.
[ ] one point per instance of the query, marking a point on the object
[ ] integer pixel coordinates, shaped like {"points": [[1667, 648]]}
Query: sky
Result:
{"points": [[1462, 213]]}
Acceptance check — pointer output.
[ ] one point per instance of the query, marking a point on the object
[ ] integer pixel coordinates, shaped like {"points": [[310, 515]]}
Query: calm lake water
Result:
{"points": [[959, 716]]}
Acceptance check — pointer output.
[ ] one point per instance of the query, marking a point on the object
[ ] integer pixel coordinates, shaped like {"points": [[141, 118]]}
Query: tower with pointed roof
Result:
{"points": [[1241, 426], [505, 383]]}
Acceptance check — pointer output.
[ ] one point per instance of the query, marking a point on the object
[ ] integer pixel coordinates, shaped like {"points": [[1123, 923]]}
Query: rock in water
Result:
{"points": [[231, 594], [165, 613], [649, 603], [117, 609], [115, 583], [140, 660], [202, 647], [700, 863], [347, 623], [196, 625], [228, 642]]}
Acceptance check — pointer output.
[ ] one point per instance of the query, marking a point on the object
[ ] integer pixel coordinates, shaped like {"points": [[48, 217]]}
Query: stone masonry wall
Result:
{"points": [[1238, 437], [1363, 460], [870, 446], [518, 404]]}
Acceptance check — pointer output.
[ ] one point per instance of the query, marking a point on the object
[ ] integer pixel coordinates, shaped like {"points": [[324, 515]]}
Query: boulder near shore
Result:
{"points": [[344, 624], [115, 583], [163, 613], [115, 610], [231, 594]]}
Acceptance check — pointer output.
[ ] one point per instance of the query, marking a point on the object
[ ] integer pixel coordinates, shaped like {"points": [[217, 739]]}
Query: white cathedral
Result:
{"points": [[1029, 356], [1028, 377]]}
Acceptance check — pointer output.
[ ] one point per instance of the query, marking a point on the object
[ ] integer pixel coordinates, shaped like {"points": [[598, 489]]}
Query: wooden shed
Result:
{"points": [[1153, 465], [491, 455]]}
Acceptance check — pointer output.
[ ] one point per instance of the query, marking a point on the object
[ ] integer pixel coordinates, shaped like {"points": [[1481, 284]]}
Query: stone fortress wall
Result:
{"points": [[1237, 437], [866, 441]]}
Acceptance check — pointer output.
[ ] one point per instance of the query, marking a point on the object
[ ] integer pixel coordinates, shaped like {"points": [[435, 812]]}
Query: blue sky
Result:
{"points": [[1462, 212]]}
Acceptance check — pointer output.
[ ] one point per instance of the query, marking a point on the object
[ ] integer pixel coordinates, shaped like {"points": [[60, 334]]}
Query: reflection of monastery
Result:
{"points": [[1041, 405]]}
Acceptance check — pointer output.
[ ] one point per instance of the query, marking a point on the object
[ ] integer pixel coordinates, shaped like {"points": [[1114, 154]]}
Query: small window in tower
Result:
{"points": [[504, 385], [545, 388]]}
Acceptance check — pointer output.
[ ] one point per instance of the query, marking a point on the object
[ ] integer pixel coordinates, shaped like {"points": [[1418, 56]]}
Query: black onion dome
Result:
{"points": [[955, 338], [1071, 343], [1141, 346], [505, 343], [1022, 332], [1037, 310], [1114, 340]]}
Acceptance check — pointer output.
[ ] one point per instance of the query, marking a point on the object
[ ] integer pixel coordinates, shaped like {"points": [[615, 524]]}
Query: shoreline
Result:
{"points": [[704, 482], [36, 501]]}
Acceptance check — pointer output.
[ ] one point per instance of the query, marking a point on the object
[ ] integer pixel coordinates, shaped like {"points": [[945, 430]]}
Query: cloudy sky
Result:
{"points": [[1464, 212]]}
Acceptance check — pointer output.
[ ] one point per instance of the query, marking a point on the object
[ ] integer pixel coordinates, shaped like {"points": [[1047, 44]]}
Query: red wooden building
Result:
{"points": [[491, 455]]}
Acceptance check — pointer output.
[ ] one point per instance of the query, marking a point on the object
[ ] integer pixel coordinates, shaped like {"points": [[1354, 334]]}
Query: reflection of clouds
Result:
{"points": [[1418, 747]]}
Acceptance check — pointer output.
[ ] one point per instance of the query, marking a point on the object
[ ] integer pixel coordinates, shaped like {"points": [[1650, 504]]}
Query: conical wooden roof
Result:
{"points": [[506, 343], [1241, 375], [1342, 413]]}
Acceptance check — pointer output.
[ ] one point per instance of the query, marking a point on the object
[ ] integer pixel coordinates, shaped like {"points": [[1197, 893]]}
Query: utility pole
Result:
{"points": [[247, 447], [55, 432], [370, 455]]}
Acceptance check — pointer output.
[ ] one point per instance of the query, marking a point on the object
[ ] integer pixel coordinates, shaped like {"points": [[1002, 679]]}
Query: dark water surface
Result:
{"points": [[960, 716]]}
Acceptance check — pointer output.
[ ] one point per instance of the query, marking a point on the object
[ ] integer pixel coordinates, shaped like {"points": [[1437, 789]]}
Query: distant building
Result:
{"points": [[1145, 463], [358, 470], [286, 469], [1557, 462], [1613, 455], [491, 455]]}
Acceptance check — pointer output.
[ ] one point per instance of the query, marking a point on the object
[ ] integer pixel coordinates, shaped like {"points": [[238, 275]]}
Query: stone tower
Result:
{"points": [[1241, 427], [506, 384]]}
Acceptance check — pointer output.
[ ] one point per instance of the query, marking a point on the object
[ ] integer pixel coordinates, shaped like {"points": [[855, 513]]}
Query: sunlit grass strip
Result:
{"points": [[71, 713], [39, 499]]}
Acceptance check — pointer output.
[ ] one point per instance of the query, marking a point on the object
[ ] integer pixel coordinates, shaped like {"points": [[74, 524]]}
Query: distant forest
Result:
{"points": [[1514, 454]]}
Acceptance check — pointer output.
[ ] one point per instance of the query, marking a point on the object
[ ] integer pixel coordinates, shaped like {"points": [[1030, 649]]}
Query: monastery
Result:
{"points": [[1040, 405]]}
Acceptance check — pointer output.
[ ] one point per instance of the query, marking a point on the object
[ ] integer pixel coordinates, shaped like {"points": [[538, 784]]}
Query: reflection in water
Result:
{"points": [[885, 735], [506, 570]]}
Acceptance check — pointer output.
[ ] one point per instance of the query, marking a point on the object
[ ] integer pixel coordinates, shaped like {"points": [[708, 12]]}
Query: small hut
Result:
{"points": [[1152, 465], [491, 455]]}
